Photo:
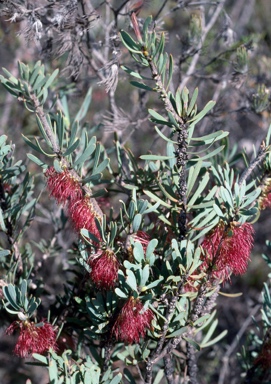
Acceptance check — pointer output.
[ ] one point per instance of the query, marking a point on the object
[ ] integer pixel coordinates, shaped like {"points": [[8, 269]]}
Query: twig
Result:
{"points": [[192, 363], [169, 369], [198, 49], [160, 10], [234, 344], [41, 114], [260, 156]]}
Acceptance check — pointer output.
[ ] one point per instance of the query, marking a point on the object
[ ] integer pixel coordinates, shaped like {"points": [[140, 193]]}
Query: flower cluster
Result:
{"points": [[63, 186], [227, 250], [82, 214], [132, 321], [33, 338], [104, 268], [66, 189]]}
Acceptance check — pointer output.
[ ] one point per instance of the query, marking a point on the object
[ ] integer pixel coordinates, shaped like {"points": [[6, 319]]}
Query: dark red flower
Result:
{"points": [[33, 338], [227, 250], [264, 357], [63, 186], [104, 269], [132, 321], [265, 201], [83, 215]]}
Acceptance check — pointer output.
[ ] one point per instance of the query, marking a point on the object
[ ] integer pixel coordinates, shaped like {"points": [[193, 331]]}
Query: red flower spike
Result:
{"points": [[228, 252], [132, 322], [265, 201], [264, 357], [104, 269], [33, 339], [83, 215], [63, 186]]}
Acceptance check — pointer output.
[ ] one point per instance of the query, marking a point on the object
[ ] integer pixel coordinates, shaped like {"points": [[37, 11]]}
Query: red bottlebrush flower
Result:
{"points": [[132, 321], [33, 338], [265, 201], [264, 357], [63, 186], [228, 252], [104, 269], [83, 215]]}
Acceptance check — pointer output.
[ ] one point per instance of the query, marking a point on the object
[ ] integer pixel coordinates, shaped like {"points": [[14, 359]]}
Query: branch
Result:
{"points": [[259, 158], [41, 114], [234, 344], [198, 48]]}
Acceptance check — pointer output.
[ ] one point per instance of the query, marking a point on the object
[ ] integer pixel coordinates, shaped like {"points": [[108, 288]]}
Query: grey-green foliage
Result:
{"points": [[158, 274], [63, 369]]}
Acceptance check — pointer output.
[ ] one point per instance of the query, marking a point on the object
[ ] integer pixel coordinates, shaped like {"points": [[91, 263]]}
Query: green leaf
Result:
{"points": [[130, 43], [192, 342], [9, 75], [87, 152], [4, 253], [157, 116], [218, 210], [160, 48], [210, 154], [204, 112], [23, 289], [92, 178], [36, 160], [42, 131], [156, 198], [203, 183], [131, 280], [177, 333], [135, 74], [10, 295], [128, 376], [51, 78], [137, 222], [159, 376], [178, 102], [28, 142], [170, 70], [215, 340], [141, 86], [138, 252], [151, 247], [71, 148], [84, 107], [211, 138], [2, 221], [146, 24], [192, 101], [193, 176], [164, 137], [116, 379], [101, 167], [120, 293], [40, 358], [156, 157]]}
